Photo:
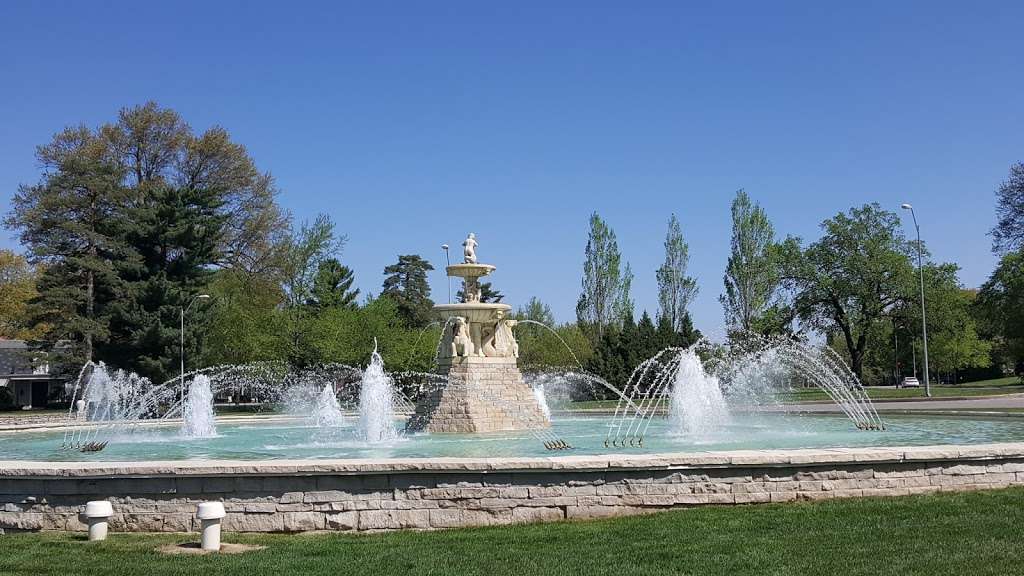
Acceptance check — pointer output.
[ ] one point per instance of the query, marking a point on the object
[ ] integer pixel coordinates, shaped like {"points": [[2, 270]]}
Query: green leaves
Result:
{"points": [[675, 289], [406, 285], [752, 271], [605, 300]]}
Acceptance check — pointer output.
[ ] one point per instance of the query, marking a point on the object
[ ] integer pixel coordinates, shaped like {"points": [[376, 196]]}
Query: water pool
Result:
{"points": [[275, 439]]}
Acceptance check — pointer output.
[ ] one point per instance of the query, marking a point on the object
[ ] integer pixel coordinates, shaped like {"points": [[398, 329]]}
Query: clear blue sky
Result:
{"points": [[412, 124]]}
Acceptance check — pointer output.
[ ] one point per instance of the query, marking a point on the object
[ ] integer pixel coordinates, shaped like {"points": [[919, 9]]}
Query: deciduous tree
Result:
{"points": [[1008, 235], [605, 300], [852, 277], [752, 274], [675, 289]]}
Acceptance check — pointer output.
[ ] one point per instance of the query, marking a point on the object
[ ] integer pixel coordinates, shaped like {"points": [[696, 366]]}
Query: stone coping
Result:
{"points": [[664, 461]]}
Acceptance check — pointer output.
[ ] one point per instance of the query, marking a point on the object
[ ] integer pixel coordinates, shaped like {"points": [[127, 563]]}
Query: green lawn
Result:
{"points": [[976, 533]]}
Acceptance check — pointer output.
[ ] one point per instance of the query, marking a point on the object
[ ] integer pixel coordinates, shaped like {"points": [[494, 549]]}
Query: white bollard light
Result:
{"points": [[210, 515], [97, 515]]}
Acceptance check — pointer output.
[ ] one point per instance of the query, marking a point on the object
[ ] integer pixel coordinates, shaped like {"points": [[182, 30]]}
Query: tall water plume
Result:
{"points": [[696, 404], [197, 413], [326, 410], [376, 403]]}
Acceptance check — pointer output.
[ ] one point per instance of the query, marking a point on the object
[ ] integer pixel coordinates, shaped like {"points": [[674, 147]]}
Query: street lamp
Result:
{"points": [[449, 262], [184, 310], [924, 321]]}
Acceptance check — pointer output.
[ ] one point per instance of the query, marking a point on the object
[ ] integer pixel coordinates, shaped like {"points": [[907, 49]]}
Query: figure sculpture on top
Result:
{"points": [[469, 249]]}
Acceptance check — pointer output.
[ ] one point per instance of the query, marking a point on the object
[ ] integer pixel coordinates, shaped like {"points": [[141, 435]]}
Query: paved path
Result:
{"points": [[985, 403]]}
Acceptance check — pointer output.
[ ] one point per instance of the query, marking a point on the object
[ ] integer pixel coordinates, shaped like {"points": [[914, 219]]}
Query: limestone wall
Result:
{"points": [[294, 496]]}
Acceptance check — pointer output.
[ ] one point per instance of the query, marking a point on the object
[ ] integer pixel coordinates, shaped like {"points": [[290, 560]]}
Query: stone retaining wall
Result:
{"points": [[296, 496]]}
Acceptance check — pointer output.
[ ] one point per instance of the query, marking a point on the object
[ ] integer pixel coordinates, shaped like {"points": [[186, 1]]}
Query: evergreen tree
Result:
{"points": [[647, 341], [175, 233], [752, 272], [98, 189], [605, 300], [675, 289], [487, 294], [71, 223], [332, 286], [406, 285]]}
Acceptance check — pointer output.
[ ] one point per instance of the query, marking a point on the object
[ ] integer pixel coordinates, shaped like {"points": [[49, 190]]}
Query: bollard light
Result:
{"points": [[210, 514], [97, 516]]}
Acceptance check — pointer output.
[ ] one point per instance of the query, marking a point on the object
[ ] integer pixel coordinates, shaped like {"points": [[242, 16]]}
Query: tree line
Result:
{"points": [[132, 220]]}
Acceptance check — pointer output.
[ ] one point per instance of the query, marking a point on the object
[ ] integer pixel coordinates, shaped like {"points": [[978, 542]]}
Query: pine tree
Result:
{"points": [[332, 286], [406, 284], [176, 235], [487, 294], [71, 224]]}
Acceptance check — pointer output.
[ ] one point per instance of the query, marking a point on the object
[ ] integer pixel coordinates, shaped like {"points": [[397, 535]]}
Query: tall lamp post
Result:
{"points": [[449, 262], [924, 320], [184, 310]]}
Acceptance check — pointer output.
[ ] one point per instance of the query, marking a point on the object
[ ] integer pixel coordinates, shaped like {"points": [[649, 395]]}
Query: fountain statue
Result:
{"points": [[478, 355]]}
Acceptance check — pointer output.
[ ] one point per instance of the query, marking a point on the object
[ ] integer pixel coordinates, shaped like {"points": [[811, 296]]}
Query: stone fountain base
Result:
{"points": [[484, 394]]}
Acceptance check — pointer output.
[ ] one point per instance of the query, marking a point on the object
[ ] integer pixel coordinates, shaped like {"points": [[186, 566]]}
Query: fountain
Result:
{"points": [[197, 417], [478, 387], [376, 403], [696, 404], [326, 411], [328, 437], [478, 352]]}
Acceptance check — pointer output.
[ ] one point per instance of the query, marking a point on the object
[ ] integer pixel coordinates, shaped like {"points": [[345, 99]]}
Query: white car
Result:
{"points": [[910, 382]]}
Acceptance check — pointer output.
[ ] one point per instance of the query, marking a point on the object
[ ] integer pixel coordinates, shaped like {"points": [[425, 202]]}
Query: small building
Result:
{"points": [[26, 375]]}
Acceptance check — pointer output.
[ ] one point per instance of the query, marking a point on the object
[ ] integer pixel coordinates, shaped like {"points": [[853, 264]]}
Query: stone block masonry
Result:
{"points": [[483, 395], [431, 493]]}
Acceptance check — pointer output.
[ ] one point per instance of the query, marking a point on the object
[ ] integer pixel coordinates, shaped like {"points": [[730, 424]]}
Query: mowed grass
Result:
{"points": [[976, 533]]}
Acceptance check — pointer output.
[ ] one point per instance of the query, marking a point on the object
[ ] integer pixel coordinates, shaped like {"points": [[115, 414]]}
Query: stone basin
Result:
{"points": [[469, 270], [474, 312]]}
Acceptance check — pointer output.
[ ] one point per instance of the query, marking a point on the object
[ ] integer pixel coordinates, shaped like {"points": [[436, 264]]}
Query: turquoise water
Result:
{"points": [[277, 440]]}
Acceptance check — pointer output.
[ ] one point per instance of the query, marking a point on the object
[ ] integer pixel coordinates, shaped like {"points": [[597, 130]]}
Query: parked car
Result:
{"points": [[910, 382]]}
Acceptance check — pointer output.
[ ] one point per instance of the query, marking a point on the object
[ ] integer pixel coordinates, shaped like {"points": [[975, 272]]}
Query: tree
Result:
{"points": [[17, 289], [405, 283], [752, 271], [81, 220], [301, 256], [1008, 235], [175, 234], [248, 321], [605, 300], [487, 294], [332, 286], [536, 311], [155, 146], [852, 277], [675, 289], [71, 223], [1001, 301]]}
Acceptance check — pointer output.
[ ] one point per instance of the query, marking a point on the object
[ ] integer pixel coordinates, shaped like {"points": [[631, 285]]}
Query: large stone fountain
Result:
{"points": [[485, 390]]}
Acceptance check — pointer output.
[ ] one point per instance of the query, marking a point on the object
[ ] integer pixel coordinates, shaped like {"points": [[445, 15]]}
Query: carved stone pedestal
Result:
{"points": [[485, 391], [483, 395]]}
